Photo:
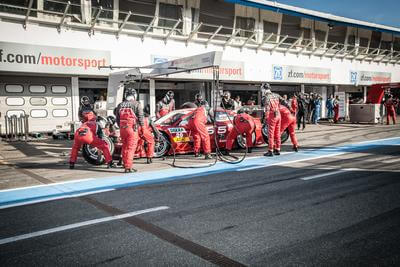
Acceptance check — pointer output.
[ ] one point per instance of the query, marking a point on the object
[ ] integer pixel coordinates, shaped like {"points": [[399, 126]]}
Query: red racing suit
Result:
{"points": [[88, 134], [288, 120], [273, 120], [293, 106], [129, 115], [197, 125], [147, 136], [163, 108], [243, 124], [86, 113], [390, 111], [336, 110]]}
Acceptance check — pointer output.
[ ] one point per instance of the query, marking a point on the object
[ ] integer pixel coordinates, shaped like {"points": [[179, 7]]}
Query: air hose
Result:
{"points": [[218, 153]]}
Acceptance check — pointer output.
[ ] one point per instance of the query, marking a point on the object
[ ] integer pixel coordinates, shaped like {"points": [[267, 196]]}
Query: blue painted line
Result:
{"points": [[47, 192]]}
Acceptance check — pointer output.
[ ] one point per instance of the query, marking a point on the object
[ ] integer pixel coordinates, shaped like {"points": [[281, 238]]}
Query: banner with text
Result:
{"points": [[369, 77], [17, 57], [229, 70], [298, 74]]}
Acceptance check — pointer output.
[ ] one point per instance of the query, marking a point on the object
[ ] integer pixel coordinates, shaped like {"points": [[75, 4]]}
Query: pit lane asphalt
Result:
{"points": [[262, 217]]}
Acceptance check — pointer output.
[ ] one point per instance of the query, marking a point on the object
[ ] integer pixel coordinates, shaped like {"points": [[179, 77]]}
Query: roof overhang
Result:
{"points": [[315, 15]]}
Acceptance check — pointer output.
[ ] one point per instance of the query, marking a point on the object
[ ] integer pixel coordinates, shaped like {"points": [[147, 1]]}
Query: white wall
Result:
{"points": [[128, 50]]}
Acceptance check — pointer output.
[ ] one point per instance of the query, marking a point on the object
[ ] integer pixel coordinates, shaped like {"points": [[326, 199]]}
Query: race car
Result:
{"points": [[175, 136]]}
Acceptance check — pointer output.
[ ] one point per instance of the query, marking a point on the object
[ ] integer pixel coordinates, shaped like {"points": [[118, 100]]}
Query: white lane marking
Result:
{"points": [[323, 175], [54, 198], [370, 170], [77, 225], [251, 168], [43, 185], [388, 161]]}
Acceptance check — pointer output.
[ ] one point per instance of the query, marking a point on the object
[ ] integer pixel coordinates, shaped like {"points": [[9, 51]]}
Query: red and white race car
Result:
{"points": [[175, 136]]}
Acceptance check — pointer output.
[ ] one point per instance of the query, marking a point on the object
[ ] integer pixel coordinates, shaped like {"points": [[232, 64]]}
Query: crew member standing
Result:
{"points": [[86, 111], [294, 105], [273, 119], [243, 125], [199, 101], [197, 125], [129, 115], [288, 121], [336, 109], [390, 110], [227, 102], [165, 105], [329, 107], [147, 135], [90, 133]]}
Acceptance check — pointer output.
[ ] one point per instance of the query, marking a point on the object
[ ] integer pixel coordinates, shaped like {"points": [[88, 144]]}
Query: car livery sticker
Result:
{"points": [[177, 130], [181, 139]]}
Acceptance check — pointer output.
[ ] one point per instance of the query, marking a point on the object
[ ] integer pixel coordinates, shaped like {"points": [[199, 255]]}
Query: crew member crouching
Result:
{"points": [[90, 133], [86, 111], [243, 125]]}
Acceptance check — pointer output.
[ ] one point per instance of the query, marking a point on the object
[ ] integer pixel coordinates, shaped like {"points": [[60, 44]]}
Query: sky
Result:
{"points": [[385, 12]]}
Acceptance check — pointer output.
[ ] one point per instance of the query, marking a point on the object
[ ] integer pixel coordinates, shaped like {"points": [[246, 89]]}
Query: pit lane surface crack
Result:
{"points": [[178, 241]]}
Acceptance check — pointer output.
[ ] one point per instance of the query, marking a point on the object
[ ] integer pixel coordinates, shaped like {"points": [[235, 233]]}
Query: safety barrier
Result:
{"points": [[16, 127]]}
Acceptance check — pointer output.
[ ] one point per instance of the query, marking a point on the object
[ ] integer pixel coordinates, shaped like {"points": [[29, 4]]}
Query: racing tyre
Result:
{"points": [[91, 155], [161, 148], [242, 142], [284, 136]]}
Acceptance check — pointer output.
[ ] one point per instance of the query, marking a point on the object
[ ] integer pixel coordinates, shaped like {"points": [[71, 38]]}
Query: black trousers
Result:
{"points": [[301, 117]]}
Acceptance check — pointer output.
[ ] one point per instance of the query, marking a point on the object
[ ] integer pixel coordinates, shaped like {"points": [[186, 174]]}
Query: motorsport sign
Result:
{"points": [[17, 57], [369, 77], [298, 74], [228, 70]]}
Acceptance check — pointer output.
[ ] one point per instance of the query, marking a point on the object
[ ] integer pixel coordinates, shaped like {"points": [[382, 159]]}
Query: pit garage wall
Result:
{"points": [[129, 50]]}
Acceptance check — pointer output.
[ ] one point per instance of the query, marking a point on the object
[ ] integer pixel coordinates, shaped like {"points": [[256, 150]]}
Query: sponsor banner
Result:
{"points": [[298, 74], [17, 57], [229, 70], [369, 77]]}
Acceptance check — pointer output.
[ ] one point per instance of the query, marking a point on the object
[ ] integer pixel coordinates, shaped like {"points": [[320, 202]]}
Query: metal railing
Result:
{"points": [[16, 127], [132, 23]]}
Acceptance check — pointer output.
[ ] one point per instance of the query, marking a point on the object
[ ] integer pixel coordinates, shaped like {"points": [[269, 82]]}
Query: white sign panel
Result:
{"points": [[342, 104], [369, 77], [18, 57], [298, 74], [229, 70]]}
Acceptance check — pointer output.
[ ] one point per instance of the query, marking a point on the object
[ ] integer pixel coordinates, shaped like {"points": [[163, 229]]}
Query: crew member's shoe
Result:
{"points": [[149, 160], [71, 165], [130, 170], [119, 162], [207, 156], [277, 152], [249, 150], [111, 164], [197, 155], [296, 149], [269, 154]]}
